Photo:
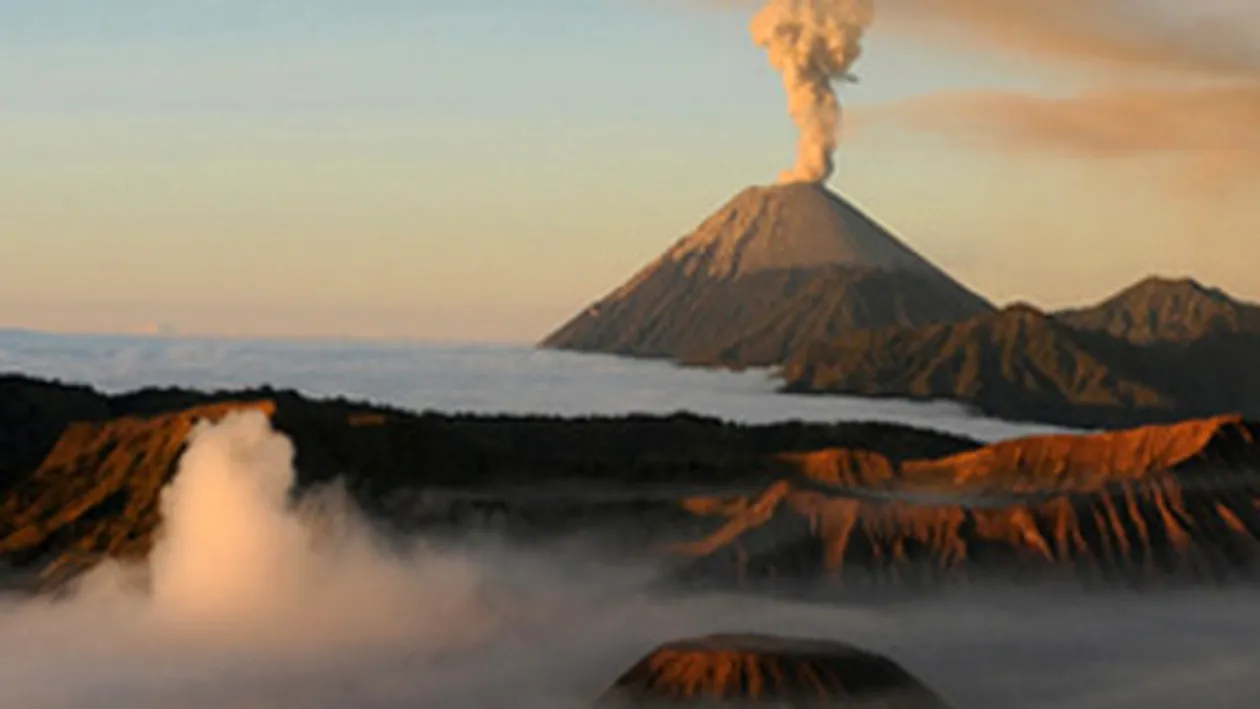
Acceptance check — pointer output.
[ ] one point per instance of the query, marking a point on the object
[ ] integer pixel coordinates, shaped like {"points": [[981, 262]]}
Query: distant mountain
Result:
{"points": [[1022, 364], [1166, 310], [772, 269], [751, 670], [1016, 363]]}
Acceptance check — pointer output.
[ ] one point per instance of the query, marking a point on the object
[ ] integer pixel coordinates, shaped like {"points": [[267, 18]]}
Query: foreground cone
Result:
{"points": [[767, 671]]}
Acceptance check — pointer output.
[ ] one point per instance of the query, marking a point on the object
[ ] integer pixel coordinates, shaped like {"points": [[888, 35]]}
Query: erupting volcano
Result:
{"points": [[779, 267]]}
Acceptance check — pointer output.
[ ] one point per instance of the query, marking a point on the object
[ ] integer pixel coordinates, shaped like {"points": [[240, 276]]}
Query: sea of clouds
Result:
{"points": [[450, 378]]}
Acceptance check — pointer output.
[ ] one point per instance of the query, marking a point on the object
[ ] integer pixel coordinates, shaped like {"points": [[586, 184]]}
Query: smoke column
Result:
{"points": [[813, 43]]}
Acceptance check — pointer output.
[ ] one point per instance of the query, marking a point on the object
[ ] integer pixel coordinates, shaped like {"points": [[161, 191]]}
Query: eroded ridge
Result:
{"points": [[1135, 505]]}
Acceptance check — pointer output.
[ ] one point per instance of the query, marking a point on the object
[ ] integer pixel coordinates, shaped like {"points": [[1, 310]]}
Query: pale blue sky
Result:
{"points": [[457, 169]]}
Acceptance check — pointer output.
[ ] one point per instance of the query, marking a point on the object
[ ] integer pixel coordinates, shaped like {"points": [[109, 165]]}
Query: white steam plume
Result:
{"points": [[234, 555], [813, 43]]}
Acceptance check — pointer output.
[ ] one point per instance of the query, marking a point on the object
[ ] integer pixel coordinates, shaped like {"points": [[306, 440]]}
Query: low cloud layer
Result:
{"points": [[452, 379], [254, 603]]}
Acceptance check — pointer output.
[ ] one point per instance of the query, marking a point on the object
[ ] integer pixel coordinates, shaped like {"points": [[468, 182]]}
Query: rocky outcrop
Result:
{"points": [[1166, 310], [1196, 450], [1022, 364], [1225, 445], [33, 414], [773, 269], [96, 492], [1165, 502], [1132, 533], [759, 670]]}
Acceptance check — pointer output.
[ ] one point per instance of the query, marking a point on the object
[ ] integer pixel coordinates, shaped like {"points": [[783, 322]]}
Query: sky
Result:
{"points": [[480, 170]]}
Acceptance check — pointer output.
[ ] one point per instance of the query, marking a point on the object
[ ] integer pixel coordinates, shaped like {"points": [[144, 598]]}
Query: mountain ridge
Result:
{"points": [[1119, 363], [1163, 309]]}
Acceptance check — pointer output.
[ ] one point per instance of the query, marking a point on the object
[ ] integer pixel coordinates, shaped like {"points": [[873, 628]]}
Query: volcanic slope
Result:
{"points": [[773, 269]]}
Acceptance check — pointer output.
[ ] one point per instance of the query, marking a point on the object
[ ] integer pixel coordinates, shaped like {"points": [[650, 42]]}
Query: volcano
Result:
{"points": [[771, 271]]}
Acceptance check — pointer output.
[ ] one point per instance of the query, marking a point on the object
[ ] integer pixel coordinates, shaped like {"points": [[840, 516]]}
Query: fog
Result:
{"points": [[252, 602]]}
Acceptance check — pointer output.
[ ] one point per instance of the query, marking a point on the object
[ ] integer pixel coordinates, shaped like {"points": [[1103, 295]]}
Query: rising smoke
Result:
{"points": [[813, 43], [251, 602]]}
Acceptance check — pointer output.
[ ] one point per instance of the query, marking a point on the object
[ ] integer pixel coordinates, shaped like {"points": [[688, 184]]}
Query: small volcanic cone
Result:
{"points": [[761, 670]]}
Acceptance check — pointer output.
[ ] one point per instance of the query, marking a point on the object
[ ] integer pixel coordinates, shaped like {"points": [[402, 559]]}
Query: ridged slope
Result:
{"points": [[102, 480], [773, 268], [1180, 501], [33, 414]]}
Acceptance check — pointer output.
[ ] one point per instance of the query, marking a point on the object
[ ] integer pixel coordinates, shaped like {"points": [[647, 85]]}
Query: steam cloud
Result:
{"points": [[251, 601], [813, 43]]}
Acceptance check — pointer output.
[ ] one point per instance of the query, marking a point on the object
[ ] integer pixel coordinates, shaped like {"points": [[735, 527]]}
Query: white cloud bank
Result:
{"points": [[483, 379]]}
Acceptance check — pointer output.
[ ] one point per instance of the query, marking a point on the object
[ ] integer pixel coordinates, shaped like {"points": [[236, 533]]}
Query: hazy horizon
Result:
{"points": [[481, 171]]}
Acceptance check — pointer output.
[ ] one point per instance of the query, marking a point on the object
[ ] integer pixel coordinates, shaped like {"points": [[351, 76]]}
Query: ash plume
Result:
{"points": [[813, 43]]}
